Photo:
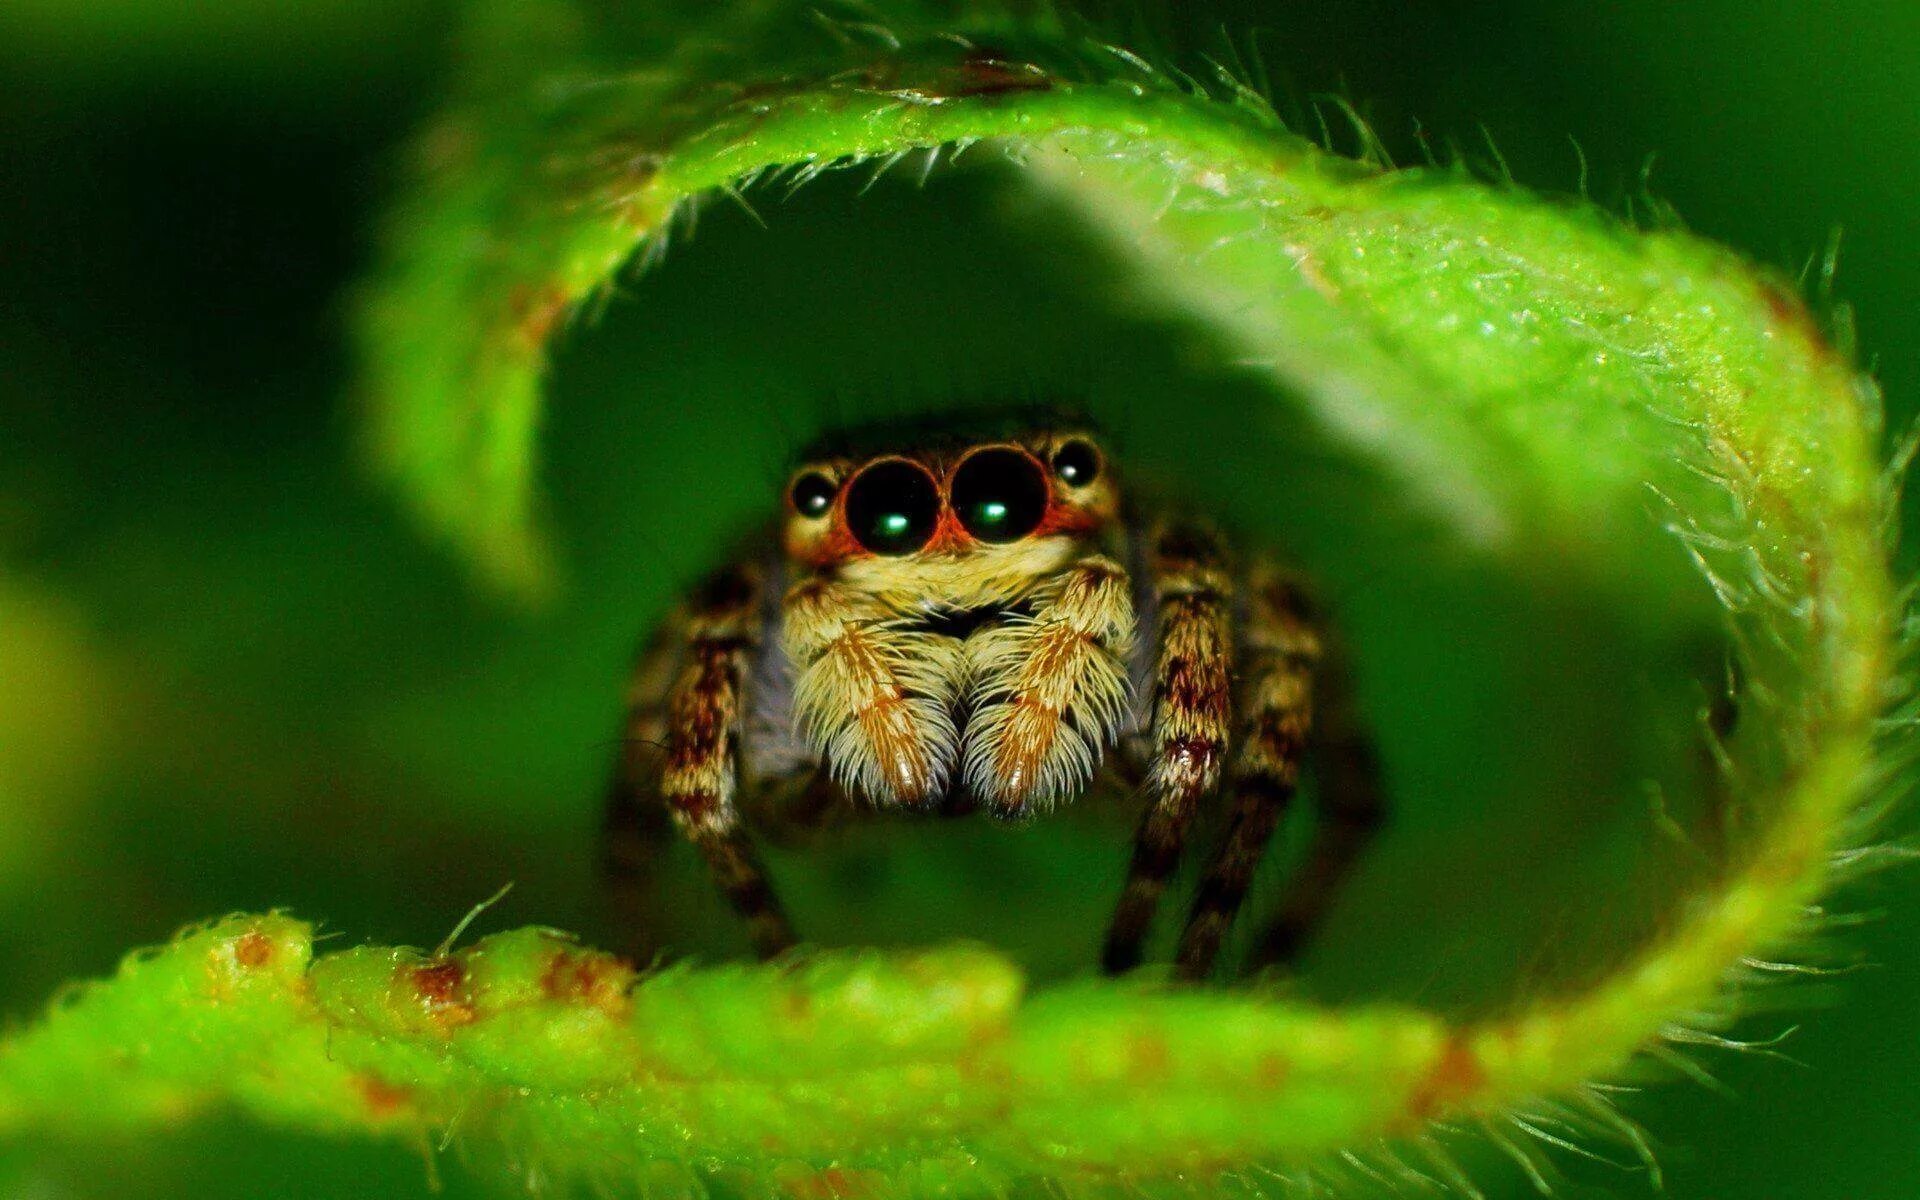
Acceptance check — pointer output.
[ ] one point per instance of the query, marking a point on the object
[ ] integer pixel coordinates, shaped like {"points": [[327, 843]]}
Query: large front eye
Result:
{"points": [[892, 507], [999, 495]]}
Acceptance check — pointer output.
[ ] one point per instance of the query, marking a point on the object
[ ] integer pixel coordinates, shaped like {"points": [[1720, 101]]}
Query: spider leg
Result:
{"points": [[633, 839], [1352, 810], [634, 827], [688, 747], [790, 809], [1282, 652], [1189, 714]]}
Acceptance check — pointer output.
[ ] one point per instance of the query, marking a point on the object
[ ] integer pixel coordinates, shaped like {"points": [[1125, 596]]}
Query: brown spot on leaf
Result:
{"points": [[439, 986], [382, 1099], [830, 1183], [797, 1006], [253, 950], [1789, 309], [589, 978], [764, 89], [1151, 1062], [1786, 307], [1456, 1074], [982, 73], [1272, 1072], [535, 311]]}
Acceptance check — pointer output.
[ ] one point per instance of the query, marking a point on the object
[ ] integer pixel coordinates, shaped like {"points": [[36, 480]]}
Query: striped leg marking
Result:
{"points": [[701, 778], [1281, 655], [1190, 715], [634, 829], [1352, 810]]}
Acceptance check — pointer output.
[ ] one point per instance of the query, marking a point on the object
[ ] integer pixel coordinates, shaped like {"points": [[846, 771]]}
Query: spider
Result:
{"points": [[949, 624]]}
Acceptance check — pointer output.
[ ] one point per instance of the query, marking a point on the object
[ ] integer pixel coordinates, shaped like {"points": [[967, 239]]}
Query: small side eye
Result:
{"points": [[1076, 463], [812, 494]]}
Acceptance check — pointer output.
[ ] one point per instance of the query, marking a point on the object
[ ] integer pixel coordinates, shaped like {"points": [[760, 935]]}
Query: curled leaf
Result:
{"points": [[1537, 376]]}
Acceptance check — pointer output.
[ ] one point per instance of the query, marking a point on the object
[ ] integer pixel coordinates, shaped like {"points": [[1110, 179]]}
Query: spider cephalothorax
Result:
{"points": [[954, 625], [951, 624]]}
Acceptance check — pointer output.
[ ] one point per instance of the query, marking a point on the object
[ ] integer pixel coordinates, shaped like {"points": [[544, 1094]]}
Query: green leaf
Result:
{"points": [[1570, 397]]}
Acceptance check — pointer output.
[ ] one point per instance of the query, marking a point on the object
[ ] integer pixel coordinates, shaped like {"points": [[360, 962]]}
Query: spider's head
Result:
{"points": [[954, 521]]}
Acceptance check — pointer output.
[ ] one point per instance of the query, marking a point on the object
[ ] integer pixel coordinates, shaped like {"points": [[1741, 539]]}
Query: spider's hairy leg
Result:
{"points": [[1352, 808], [1050, 691], [1280, 653], [634, 828], [698, 772], [873, 694], [1189, 719]]}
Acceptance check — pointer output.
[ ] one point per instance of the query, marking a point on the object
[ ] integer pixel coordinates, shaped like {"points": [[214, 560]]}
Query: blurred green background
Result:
{"points": [[231, 677]]}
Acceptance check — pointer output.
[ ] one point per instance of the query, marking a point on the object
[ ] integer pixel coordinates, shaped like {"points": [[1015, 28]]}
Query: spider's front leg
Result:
{"points": [[1188, 721], [683, 755]]}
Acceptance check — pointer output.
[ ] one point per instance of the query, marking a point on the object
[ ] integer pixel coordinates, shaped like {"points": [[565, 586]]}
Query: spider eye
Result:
{"points": [[1077, 463], [812, 494], [892, 507], [999, 495]]}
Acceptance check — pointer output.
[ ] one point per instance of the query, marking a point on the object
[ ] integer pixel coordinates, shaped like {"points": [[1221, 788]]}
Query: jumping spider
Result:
{"points": [[956, 624]]}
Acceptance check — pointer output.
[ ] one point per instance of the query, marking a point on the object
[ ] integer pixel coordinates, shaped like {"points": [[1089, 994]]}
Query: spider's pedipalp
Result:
{"points": [[1049, 691], [874, 695]]}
